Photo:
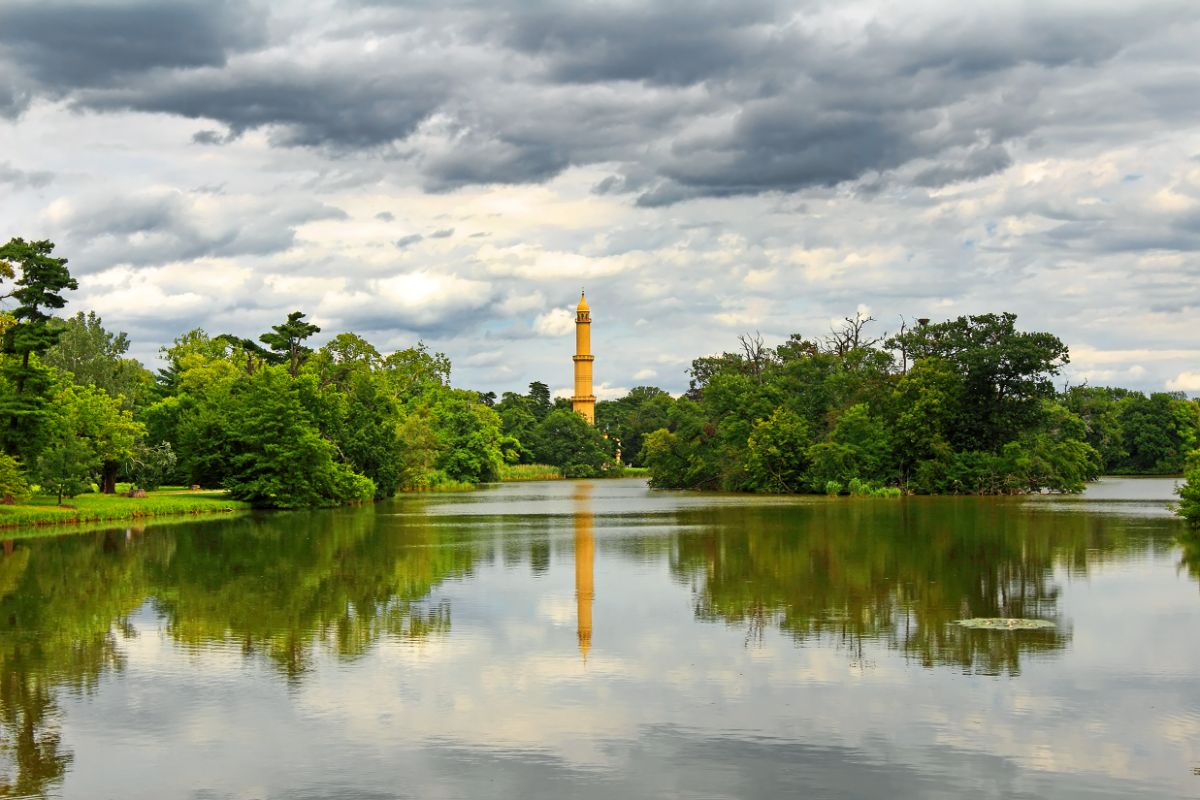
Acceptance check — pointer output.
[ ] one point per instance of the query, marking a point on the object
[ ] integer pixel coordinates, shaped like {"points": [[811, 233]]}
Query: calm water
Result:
{"points": [[600, 640]]}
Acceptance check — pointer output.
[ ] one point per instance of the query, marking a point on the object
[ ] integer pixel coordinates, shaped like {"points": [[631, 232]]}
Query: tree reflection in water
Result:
{"points": [[288, 589], [281, 587], [857, 571]]}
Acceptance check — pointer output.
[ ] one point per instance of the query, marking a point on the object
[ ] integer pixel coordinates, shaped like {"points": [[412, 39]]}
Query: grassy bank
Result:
{"points": [[545, 472], [530, 472], [42, 510]]}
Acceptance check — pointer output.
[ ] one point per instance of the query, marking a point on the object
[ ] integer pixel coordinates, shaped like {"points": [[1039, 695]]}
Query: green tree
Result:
{"points": [[1189, 492], [628, 419], [564, 439], [23, 398], [64, 465], [99, 420], [539, 400], [469, 437], [1157, 432], [38, 290], [276, 456], [1006, 373], [96, 357], [13, 481], [414, 372], [286, 339], [1099, 408], [150, 465], [778, 459]]}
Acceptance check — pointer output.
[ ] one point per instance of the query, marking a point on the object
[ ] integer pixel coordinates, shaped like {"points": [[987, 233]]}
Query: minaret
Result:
{"points": [[584, 402]]}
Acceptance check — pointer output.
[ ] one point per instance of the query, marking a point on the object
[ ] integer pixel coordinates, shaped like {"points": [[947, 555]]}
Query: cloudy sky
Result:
{"points": [[455, 171]]}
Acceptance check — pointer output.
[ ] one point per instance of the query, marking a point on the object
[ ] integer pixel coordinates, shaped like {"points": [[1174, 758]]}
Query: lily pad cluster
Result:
{"points": [[1005, 624]]}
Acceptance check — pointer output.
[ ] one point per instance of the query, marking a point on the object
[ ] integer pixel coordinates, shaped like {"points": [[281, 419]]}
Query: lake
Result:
{"points": [[604, 640]]}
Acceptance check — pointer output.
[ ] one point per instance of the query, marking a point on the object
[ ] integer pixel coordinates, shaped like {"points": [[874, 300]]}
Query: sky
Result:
{"points": [[456, 171]]}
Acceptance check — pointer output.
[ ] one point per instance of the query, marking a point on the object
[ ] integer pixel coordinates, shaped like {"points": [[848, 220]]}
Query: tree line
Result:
{"points": [[962, 406], [273, 420]]}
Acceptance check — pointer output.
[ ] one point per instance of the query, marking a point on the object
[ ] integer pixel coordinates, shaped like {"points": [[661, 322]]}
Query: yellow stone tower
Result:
{"points": [[584, 402]]}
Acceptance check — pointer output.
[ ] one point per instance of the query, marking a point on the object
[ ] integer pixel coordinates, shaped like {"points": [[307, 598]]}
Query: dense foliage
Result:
{"points": [[963, 406], [274, 421], [545, 431], [1189, 492]]}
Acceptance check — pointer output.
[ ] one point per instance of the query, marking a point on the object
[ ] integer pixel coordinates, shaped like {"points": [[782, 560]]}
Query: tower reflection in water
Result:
{"points": [[585, 553]]}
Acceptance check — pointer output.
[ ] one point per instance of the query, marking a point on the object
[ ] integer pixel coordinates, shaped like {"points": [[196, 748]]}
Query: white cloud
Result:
{"points": [[555, 322], [1185, 382]]}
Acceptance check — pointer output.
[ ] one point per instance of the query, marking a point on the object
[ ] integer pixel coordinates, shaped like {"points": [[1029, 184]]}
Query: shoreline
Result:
{"points": [[101, 509]]}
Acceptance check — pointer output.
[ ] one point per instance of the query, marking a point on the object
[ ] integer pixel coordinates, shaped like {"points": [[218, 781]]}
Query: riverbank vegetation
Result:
{"points": [[961, 406], [272, 420], [94, 507], [1189, 492]]}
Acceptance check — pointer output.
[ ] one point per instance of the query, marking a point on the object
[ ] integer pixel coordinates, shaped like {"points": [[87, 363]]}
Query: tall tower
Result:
{"points": [[584, 402]]}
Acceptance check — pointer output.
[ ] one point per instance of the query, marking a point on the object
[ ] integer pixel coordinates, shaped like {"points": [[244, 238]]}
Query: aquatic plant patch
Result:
{"points": [[1005, 624]]}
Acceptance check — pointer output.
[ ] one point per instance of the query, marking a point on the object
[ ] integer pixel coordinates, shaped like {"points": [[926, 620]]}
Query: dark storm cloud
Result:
{"points": [[683, 99], [208, 137], [405, 242], [978, 163], [304, 106], [65, 45], [676, 42]]}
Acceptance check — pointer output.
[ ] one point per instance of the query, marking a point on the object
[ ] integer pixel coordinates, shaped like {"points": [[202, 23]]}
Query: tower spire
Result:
{"points": [[583, 401]]}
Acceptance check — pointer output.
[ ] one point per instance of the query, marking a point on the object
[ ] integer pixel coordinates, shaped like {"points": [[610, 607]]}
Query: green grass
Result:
{"points": [[530, 472], [444, 486], [42, 510]]}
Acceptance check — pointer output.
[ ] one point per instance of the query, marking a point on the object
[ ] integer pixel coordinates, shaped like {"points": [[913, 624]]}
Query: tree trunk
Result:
{"points": [[108, 477]]}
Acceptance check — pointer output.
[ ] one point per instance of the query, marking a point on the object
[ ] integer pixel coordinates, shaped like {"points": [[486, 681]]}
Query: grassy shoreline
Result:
{"points": [[42, 511], [511, 473]]}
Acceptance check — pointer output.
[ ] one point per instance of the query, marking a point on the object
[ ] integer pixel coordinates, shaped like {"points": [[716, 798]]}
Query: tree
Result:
{"points": [[539, 400], [64, 465], [415, 372], [150, 465], [38, 290], [1006, 373], [96, 357], [43, 279], [1189, 492], [276, 456], [628, 419], [13, 482], [108, 430], [285, 340], [564, 439], [469, 438], [777, 453]]}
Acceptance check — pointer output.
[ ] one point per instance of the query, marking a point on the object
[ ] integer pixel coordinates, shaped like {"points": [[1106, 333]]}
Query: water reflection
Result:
{"points": [[717, 615], [851, 572], [585, 555]]}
